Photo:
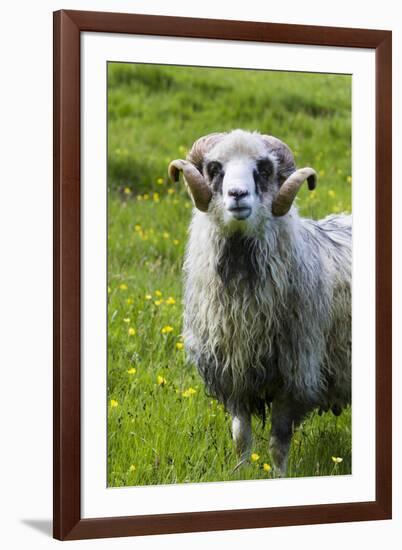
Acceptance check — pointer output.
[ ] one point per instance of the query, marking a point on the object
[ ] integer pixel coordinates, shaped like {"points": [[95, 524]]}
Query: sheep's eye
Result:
{"points": [[265, 168], [214, 168]]}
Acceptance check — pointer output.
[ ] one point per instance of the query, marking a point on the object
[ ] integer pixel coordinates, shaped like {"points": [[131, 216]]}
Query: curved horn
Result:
{"points": [[288, 191], [283, 154], [196, 185], [198, 190]]}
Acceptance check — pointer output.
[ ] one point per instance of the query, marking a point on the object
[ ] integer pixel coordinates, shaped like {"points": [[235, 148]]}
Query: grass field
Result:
{"points": [[162, 428]]}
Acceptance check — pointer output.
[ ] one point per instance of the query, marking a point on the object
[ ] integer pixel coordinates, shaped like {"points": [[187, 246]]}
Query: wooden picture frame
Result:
{"points": [[68, 26]]}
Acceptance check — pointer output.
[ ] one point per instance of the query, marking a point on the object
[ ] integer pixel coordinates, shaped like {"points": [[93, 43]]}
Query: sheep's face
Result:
{"points": [[240, 178], [242, 189]]}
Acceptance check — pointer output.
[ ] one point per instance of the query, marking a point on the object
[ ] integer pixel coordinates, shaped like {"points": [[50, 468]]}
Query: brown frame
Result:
{"points": [[67, 475]]}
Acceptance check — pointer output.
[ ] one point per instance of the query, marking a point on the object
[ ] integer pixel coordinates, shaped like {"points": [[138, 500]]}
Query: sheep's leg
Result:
{"points": [[241, 432], [286, 415]]}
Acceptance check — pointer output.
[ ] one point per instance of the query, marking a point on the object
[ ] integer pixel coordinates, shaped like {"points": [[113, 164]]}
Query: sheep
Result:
{"points": [[267, 299]]}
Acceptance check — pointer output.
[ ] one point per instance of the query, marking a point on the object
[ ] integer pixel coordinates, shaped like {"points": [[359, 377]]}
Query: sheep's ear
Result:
{"points": [[289, 189], [196, 186]]}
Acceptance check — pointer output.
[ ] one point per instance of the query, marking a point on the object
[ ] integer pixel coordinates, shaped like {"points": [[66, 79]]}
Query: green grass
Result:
{"points": [[158, 431]]}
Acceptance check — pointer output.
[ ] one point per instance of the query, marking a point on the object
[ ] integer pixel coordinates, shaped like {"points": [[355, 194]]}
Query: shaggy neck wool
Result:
{"points": [[252, 317]]}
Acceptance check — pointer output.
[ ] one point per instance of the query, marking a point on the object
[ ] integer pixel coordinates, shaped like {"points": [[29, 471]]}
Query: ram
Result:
{"points": [[267, 301]]}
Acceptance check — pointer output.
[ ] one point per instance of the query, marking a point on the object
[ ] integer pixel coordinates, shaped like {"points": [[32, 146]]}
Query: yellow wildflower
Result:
{"points": [[139, 198], [148, 297], [131, 331], [126, 320], [349, 179], [255, 457], [176, 242], [109, 290], [129, 301], [127, 191], [123, 286], [145, 196], [170, 191], [158, 302], [132, 468], [331, 193], [166, 329], [131, 371], [156, 197], [337, 459], [137, 228], [166, 235], [266, 467], [179, 345], [160, 181], [114, 403], [158, 293], [189, 392], [170, 301], [161, 380]]}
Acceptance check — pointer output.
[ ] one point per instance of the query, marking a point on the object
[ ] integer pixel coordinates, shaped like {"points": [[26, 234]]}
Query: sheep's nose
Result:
{"points": [[238, 193]]}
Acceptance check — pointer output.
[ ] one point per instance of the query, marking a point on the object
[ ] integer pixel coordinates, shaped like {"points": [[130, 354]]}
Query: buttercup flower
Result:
{"points": [[131, 371], [158, 293], [127, 191], [114, 403], [148, 297], [167, 329], [160, 181], [337, 459], [131, 331], [179, 345], [189, 392], [161, 380], [123, 286], [170, 301], [132, 468], [255, 457], [266, 467], [127, 320]]}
